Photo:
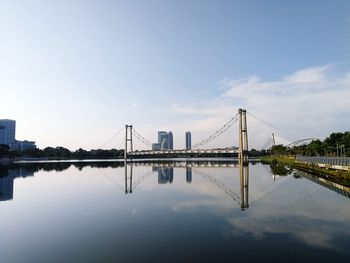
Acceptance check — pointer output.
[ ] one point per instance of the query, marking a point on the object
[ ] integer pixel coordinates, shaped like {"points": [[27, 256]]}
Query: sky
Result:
{"points": [[73, 73]]}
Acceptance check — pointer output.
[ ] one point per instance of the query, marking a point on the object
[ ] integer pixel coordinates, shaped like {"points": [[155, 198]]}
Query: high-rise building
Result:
{"points": [[170, 141], [155, 146], [8, 136], [188, 140], [163, 140], [7, 131]]}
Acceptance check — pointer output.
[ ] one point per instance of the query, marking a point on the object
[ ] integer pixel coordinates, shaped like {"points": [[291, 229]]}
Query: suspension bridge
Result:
{"points": [[201, 148], [241, 150]]}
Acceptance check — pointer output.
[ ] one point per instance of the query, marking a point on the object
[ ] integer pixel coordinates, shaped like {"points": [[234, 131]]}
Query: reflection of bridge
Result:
{"points": [[338, 188], [187, 164], [166, 174]]}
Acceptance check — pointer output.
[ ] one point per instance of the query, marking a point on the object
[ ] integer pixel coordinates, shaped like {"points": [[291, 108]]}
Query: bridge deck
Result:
{"points": [[196, 151]]}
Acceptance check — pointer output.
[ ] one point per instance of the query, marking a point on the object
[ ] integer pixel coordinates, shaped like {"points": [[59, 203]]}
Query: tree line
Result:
{"points": [[62, 153]]}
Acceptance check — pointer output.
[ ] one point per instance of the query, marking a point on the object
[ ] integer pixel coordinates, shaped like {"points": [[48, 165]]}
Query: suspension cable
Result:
{"points": [[143, 139], [283, 133], [110, 139], [218, 132]]}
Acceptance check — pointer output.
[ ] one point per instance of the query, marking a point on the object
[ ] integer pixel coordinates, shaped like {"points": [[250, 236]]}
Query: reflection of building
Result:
{"points": [[188, 140], [6, 182], [6, 188], [188, 175], [8, 136], [165, 141], [165, 175]]}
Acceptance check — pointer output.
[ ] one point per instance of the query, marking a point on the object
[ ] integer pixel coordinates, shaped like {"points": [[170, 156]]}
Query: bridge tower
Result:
{"points": [[242, 135], [273, 140], [128, 138]]}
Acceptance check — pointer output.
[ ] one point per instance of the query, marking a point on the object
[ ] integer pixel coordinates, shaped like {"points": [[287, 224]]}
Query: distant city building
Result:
{"points": [[155, 146], [188, 140], [8, 136], [165, 140], [170, 141], [7, 131], [26, 145]]}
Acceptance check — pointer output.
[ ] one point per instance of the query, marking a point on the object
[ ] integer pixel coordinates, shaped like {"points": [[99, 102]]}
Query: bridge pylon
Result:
{"points": [[242, 135], [128, 138]]}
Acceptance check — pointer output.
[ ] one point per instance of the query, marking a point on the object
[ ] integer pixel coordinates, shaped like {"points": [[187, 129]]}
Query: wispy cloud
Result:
{"points": [[310, 102]]}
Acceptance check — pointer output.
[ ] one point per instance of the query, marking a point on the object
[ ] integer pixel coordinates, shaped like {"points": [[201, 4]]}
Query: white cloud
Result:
{"points": [[308, 76], [310, 102]]}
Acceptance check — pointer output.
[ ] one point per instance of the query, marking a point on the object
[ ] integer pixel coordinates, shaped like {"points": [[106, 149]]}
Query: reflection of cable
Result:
{"points": [[141, 179], [220, 185], [110, 179], [117, 133]]}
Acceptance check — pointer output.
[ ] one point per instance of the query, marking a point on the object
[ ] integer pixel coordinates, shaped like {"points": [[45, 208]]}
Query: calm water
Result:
{"points": [[163, 212]]}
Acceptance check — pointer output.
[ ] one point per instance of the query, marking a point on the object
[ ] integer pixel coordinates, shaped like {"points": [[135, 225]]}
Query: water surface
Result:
{"points": [[169, 212]]}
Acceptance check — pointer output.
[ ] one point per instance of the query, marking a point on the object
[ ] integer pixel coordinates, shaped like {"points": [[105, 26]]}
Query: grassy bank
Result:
{"points": [[342, 177]]}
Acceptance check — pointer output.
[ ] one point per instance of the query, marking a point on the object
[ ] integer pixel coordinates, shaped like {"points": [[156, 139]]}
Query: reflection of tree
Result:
{"points": [[81, 165], [279, 169], [296, 176], [56, 166]]}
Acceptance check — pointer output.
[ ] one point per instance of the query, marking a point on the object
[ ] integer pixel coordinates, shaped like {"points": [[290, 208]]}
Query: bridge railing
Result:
{"points": [[341, 161]]}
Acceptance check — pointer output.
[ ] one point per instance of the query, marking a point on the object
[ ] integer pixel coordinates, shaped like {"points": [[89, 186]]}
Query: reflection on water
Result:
{"points": [[170, 211]]}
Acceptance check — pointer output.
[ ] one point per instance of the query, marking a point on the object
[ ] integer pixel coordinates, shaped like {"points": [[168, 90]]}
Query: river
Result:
{"points": [[210, 211]]}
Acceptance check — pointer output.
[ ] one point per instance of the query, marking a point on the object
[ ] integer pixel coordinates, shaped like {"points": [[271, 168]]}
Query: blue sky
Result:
{"points": [[72, 73]]}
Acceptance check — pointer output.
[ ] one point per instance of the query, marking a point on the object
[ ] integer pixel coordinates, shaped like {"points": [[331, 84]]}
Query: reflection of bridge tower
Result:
{"points": [[242, 135], [244, 181], [128, 138], [128, 178]]}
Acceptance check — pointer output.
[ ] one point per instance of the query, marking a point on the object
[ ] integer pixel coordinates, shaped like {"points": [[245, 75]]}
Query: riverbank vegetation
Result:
{"points": [[61, 153]]}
